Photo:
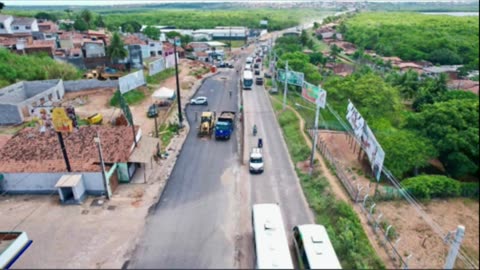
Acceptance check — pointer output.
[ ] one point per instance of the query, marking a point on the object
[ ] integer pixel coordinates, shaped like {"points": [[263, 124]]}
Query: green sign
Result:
{"points": [[314, 94], [125, 109], [293, 77]]}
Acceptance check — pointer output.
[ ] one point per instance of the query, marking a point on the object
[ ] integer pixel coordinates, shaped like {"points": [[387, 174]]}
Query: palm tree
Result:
{"points": [[116, 50]]}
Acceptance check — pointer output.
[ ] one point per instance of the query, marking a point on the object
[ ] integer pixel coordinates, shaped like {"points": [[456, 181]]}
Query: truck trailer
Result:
{"points": [[225, 125]]}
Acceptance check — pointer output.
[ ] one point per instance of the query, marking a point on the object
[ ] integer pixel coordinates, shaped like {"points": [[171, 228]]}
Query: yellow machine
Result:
{"points": [[95, 119], [103, 73], [207, 123]]}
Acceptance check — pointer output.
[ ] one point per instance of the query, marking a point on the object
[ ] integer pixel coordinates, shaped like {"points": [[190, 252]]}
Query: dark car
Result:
{"points": [[267, 75], [256, 65], [257, 71], [259, 81], [152, 111]]}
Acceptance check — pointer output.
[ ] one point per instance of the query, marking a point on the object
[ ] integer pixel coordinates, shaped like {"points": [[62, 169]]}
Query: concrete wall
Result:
{"points": [[33, 88], [80, 85], [12, 94], [131, 81], [44, 183], [94, 50], [156, 66], [10, 114]]}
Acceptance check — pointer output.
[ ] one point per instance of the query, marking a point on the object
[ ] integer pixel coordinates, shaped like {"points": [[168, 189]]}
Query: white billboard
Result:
{"points": [[131, 81], [156, 66]]}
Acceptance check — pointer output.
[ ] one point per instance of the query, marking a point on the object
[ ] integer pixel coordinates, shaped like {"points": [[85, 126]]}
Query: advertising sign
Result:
{"points": [[43, 115], [314, 94], [131, 81], [374, 151], [293, 77], [355, 119], [61, 121]]}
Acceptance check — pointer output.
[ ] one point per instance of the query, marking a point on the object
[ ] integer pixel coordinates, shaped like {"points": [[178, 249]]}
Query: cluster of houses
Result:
{"points": [[87, 49]]}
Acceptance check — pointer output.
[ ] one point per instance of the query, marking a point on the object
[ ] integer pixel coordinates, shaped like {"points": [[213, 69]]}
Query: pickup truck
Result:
{"points": [[225, 124]]}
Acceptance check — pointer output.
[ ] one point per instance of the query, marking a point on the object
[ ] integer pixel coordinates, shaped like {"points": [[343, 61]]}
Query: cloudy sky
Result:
{"points": [[120, 2]]}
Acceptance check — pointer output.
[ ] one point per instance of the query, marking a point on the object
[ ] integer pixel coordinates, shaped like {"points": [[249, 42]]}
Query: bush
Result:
{"points": [[470, 190], [432, 186], [132, 97], [161, 76]]}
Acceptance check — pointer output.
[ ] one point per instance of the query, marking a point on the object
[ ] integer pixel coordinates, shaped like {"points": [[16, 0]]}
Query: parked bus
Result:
{"points": [[270, 241], [313, 248], [247, 80]]}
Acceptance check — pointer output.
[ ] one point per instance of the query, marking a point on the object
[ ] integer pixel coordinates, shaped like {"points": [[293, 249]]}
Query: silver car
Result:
{"points": [[199, 101]]}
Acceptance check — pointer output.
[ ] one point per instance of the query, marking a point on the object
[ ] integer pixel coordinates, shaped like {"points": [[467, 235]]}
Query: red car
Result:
{"points": [[258, 59]]}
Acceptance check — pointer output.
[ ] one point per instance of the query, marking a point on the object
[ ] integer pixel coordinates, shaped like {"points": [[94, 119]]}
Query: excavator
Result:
{"points": [[103, 73], [207, 123]]}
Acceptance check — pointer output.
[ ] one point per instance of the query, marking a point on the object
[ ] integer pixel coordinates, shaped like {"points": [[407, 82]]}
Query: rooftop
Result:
{"points": [[4, 17], [23, 21], [41, 44], [133, 40], [442, 69], [33, 151], [48, 27], [24, 90]]}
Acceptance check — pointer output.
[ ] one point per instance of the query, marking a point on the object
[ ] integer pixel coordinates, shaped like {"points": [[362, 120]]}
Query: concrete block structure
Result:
{"points": [[18, 100]]}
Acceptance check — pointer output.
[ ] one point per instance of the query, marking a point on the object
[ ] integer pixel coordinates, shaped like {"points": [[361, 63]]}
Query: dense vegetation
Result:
{"points": [[440, 39], [343, 225], [14, 67], [439, 186]]}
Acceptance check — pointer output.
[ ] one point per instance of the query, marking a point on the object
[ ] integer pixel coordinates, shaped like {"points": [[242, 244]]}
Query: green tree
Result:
{"points": [[316, 25], [46, 16], [444, 56], [116, 50], [173, 34], [80, 25], [304, 38], [87, 17], [152, 32], [2, 5], [133, 27], [99, 21], [429, 90], [69, 12], [405, 151], [408, 83], [129, 29], [317, 59], [452, 126], [335, 51]]}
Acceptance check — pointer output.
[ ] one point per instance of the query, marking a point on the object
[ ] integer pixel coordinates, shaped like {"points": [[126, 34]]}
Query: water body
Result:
{"points": [[457, 14]]}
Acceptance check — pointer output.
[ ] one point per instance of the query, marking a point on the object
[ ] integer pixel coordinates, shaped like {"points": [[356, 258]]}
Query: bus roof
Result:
{"points": [[247, 74], [318, 247], [271, 242]]}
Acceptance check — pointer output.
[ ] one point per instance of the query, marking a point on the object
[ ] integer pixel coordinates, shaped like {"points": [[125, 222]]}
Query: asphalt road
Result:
{"points": [[194, 223]]}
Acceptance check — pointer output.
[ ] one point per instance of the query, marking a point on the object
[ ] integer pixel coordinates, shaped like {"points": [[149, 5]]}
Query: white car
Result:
{"points": [[256, 161], [199, 101]]}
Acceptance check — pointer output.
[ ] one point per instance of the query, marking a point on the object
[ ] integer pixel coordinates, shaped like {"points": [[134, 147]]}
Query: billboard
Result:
{"points": [[293, 77], [314, 94], [43, 115], [131, 81], [156, 66], [369, 143], [170, 61]]}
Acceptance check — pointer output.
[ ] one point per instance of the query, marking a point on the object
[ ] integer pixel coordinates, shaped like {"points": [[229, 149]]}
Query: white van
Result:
{"points": [[248, 67], [256, 161], [249, 60]]}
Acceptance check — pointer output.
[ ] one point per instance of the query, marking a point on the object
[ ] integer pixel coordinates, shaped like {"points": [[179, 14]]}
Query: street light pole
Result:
{"points": [[314, 146], [180, 118], [285, 87]]}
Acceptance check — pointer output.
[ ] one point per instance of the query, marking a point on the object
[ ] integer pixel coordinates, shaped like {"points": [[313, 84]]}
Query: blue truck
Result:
{"points": [[225, 125]]}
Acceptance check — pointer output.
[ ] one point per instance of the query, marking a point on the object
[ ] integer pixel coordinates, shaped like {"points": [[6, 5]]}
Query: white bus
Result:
{"points": [[247, 80], [270, 241], [313, 247]]}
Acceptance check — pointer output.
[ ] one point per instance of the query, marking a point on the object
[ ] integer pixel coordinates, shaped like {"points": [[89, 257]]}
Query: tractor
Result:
{"points": [[207, 123]]}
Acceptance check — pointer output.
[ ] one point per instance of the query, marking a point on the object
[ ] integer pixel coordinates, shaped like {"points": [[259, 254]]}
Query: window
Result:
{"points": [[2, 26], [42, 100], [28, 27], [16, 28]]}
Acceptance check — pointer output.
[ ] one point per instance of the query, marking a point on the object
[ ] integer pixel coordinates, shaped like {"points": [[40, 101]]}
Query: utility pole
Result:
{"points": [[454, 247], [64, 151], [180, 118], [156, 126], [102, 163], [285, 87], [314, 146]]}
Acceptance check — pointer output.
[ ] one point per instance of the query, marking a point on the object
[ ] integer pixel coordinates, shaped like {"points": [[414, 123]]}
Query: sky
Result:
{"points": [[120, 2]]}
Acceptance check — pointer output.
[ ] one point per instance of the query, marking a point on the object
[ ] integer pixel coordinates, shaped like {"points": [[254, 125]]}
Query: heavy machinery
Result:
{"points": [[103, 73], [207, 122]]}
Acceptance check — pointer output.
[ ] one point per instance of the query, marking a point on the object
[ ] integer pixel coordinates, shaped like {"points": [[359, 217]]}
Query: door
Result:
{"points": [[114, 181]]}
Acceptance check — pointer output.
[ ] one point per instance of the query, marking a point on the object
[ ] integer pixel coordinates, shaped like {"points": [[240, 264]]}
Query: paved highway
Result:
{"points": [[194, 223]]}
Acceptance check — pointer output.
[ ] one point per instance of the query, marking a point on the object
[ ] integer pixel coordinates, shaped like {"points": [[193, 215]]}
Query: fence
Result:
{"points": [[80, 85]]}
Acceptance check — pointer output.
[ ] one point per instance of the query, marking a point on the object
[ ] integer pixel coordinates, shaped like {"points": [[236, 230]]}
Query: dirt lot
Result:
{"points": [[97, 100], [429, 251]]}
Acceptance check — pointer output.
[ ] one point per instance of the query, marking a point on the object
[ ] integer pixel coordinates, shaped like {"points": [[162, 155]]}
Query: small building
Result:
{"points": [[36, 158], [202, 56], [93, 48], [70, 40], [405, 66], [464, 85], [24, 25], [451, 71], [18, 100], [6, 24], [155, 47], [199, 46], [48, 31]]}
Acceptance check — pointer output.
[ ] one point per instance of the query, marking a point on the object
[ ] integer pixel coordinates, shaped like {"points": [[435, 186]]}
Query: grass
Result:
{"points": [[199, 72], [132, 97], [235, 43], [341, 221], [318, 45], [161, 76], [166, 132]]}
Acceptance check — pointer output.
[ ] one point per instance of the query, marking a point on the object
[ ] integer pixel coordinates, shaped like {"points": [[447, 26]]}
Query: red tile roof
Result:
{"points": [[41, 44], [48, 27], [32, 151], [466, 85], [133, 40]]}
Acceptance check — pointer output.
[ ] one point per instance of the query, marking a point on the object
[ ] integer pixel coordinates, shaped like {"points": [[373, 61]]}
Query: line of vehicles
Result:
{"points": [[312, 245], [222, 126]]}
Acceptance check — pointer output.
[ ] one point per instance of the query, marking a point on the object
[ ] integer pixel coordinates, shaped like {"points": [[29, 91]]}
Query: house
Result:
{"points": [[155, 47], [48, 31], [18, 100], [8, 42], [24, 25], [36, 158], [70, 40], [465, 85], [93, 48], [331, 35], [38, 46], [202, 56], [451, 71], [6, 24], [405, 66], [199, 46], [135, 42], [96, 35]]}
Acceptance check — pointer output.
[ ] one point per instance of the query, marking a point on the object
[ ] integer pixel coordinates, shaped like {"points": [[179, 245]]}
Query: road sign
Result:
{"points": [[293, 77]]}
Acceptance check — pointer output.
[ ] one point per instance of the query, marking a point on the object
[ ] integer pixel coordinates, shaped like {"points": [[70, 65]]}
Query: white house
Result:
{"points": [[24, 25], [6, 24]]}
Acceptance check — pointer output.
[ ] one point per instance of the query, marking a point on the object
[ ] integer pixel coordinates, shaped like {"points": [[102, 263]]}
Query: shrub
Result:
{"points": [[432, 186], [132, 97], [470, 190]]}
